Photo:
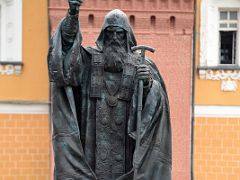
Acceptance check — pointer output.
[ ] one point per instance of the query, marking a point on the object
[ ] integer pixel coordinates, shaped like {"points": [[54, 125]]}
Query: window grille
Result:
{"points": [[228, 32], [0, 32]]}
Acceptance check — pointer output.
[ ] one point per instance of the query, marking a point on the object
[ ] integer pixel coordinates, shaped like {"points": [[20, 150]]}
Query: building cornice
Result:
{"points": [[217, 111], [24, 107]]}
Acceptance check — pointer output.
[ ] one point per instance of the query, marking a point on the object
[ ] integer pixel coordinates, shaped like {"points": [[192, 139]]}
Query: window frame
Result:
{"points": [[11, 32], [210, 32], [228, 21], [0, 30]]}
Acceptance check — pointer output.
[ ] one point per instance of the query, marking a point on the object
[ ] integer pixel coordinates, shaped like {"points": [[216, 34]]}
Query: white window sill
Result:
{"points": [[10, 67], [227, 74], [220, 67]]}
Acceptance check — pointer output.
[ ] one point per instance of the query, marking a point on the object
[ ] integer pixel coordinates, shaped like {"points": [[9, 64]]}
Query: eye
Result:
{"points": [[109, 33], [120, 34]]}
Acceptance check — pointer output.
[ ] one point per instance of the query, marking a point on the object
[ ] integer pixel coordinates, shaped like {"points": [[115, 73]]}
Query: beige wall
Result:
{"points": [[32, 84], [208, 92], [24, 128], [216, 139]]}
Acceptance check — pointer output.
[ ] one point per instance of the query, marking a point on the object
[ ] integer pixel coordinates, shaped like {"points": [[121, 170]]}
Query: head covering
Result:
{"points": [[117, 18]]}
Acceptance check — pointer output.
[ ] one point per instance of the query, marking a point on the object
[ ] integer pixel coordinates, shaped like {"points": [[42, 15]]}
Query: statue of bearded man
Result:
{"points": [[94, 105]]}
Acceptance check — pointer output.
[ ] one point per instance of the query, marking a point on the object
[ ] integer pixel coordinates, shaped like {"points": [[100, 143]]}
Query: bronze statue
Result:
{"points": [[99, 108]]}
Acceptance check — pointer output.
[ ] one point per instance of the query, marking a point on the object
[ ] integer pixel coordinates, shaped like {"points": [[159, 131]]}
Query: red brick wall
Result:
{"points": [[171, 36]]}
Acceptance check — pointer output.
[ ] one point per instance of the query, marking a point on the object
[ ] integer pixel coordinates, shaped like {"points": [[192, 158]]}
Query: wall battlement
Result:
{"points": [[148, 16]]}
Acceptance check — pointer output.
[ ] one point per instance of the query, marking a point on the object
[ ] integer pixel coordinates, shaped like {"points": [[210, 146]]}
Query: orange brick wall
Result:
{"points": [[24, 147], [217, 149]]}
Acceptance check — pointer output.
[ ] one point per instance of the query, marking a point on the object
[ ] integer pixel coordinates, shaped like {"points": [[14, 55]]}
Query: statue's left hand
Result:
{"points": [[143, 73]]}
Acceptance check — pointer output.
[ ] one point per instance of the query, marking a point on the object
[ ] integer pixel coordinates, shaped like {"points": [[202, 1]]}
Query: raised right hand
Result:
{"points": [[74, 6]]}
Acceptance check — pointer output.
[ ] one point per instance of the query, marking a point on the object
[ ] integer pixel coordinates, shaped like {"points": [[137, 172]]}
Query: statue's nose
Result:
{"points": [[115, 36]]}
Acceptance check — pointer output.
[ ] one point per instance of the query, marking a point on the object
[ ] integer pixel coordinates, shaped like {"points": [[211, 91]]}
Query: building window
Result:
{"points": [[228, 28], [132, 20], [0, 31], [91, 19], [220, 42], [153, 21], [10, 31], [172, 22], [219, 38]]}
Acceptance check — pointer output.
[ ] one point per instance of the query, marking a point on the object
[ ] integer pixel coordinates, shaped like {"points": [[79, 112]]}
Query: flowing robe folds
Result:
{"points": [[74, 118]]}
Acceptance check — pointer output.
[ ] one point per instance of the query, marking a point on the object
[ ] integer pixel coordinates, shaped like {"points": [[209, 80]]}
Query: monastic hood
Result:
{"points": [[117, 18]]}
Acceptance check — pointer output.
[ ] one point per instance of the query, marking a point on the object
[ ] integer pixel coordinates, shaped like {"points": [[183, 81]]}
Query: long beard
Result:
{"points": [[114, 56]]}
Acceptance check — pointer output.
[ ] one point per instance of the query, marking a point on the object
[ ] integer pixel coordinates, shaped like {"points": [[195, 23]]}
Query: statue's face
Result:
{"points": [[114, 48], [113, 33]]}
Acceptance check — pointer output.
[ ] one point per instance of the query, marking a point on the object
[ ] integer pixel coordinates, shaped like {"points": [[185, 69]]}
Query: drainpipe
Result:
{"points": [[50, 85], [193, 89], [51, 161], [50, 88]]}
